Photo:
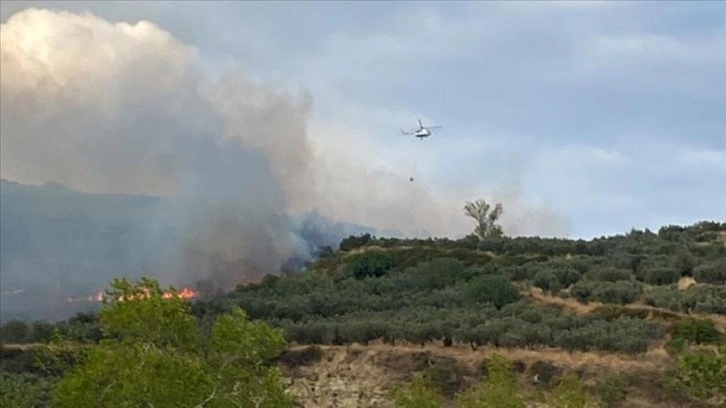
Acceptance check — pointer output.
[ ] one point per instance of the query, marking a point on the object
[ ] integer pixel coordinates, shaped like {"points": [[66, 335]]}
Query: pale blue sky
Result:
{"points": [[611, 113]]}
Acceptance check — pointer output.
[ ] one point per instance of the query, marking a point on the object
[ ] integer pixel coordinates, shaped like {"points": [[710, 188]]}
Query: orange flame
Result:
{"points": [[185, 293]]}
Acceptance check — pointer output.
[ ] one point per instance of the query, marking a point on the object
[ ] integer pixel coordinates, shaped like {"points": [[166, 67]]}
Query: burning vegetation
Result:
{"points": [[184, 293]]}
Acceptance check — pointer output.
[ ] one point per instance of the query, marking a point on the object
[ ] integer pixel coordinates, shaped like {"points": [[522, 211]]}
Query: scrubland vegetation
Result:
{"points": [[634, 295]]}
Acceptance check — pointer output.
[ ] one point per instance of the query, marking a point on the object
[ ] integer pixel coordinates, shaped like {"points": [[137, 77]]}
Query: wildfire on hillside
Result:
{"points": [[184, 293]]}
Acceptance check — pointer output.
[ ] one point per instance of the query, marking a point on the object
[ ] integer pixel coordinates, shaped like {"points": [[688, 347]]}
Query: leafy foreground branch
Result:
{"points": [[154, 353]]}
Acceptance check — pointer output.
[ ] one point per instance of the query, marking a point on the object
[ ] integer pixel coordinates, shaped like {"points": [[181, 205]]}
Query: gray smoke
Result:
{"points": [[121, 108]]}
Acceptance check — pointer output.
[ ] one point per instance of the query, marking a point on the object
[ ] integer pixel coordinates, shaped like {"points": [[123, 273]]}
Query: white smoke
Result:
{"points": [[123, 108]]}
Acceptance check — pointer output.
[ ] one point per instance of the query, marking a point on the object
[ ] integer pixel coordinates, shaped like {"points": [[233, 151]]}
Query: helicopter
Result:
{"points": [[422, 132]]}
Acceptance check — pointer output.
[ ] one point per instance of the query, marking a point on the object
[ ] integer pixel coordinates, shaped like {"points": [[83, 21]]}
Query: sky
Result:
{"points": [[595, 117]]}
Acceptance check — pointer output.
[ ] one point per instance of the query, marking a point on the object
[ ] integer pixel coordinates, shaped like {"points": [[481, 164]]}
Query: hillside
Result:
{"points": [[478, 292], [611, 306], [617, 312], [362, 376], [60, 243]]}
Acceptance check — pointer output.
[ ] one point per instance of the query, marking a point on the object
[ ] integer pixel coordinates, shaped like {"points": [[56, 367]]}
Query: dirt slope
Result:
{"points": [[361, 376]]}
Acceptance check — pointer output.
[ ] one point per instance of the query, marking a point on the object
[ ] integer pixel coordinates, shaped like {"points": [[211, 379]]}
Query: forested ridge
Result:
{"points": [[628, 294], [474, 290]]}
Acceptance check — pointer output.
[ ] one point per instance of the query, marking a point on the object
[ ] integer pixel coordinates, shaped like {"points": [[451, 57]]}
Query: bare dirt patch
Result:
{"points": [[361, 376]]}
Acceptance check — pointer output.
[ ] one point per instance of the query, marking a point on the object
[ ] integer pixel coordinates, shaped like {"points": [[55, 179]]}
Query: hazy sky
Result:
{"points": [[611, 114]]}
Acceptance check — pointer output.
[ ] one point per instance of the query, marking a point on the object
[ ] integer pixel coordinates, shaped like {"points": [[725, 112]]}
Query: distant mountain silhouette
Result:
{"points": [[56, 243]]}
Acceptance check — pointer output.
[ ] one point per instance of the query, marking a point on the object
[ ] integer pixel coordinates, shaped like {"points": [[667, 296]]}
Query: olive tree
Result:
{"points": [[499, 390], [153, 353]]}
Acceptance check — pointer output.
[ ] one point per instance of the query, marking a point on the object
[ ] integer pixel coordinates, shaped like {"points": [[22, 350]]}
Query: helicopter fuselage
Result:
{"points": [[422, 133]]}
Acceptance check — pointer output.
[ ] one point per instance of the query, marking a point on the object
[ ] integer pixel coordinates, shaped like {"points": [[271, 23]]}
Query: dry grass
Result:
{"points": [[27, 346], [345, 377], [536, 295], [686, 282], [572, 360], [361, 376]]}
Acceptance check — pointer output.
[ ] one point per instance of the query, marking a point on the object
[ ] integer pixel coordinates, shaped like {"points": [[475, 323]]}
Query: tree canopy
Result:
{"points": [[486, 220], [153, 353]]}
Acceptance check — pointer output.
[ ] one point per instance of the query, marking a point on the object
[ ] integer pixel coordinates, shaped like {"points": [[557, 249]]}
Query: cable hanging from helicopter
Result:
{"points": [[420, 133]]}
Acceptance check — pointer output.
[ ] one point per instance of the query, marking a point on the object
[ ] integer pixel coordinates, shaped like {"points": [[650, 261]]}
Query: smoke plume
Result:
{"points": [[122, 108]]}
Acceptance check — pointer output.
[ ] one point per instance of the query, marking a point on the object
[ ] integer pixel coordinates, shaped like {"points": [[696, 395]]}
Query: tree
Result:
{"points": [[570, 393], [417, 395], [42, 331], [543, 279], [371, 263], [499, 390], [479, 211], [696, 331], [153, 353], [612, 391], [24, 390], [15, 331], [684, 261], [713, 272], [493, 288]]}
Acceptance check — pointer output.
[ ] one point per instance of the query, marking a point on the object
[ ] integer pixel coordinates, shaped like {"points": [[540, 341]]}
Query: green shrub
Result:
{"points": [[612, 312], [623, 334], [354, 241], [684, 262], [701, 298], [417, 394], [438, 273], [25, 390], [446, 379], [676, 346], [499, 389], [583, 290], [702, 372], [661, 275], [712, 272], [543, 372], [609, 274], [612, 391], [370, 264], [620, 292], [696, 331], [493, 289], [570, 393], [18, 361], [15, 331], [543, 279]]}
